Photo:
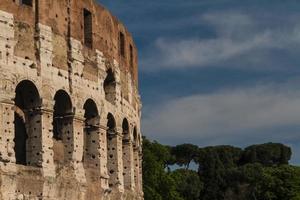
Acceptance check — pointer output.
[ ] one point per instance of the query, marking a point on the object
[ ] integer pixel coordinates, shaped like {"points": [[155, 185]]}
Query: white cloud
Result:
{"points": [[236, 34], [234, 116]]}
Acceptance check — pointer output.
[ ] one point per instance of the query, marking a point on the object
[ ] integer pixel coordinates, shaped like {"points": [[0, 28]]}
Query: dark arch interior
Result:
{"points": [[27, 105], [126, 153], [111, 124], [62, 113], [90, 131], [110, 86], [111, 148], [125, 130], [27, 96], [91, 110], [62, 127]]}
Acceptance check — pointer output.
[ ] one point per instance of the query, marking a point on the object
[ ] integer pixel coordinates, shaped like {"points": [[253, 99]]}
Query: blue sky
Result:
{"points": [[217, 71]]}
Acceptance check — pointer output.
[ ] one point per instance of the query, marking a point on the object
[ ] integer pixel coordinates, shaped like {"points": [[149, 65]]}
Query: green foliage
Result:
{"points": [[160, 152], [228, 155], [267, 154], [213, 164], [260, 172], [184, 154], [279, 183], [158, 183], [188, 183]]}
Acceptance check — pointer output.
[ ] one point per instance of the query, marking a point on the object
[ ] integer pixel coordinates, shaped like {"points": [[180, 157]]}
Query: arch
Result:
{"points": [[109, 86], [111, 123], [63, 103], [27, 123], [126, 154], [125, 129], [91, 136], [62, 127], [91, 110], [112, 153]]}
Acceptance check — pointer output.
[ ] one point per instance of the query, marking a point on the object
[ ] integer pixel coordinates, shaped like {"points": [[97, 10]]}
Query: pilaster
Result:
{"points": [[128, 165], [7, 132], [7, 33], [77, 147], [47, 142], [136, 168], [46, 49], [103, 153], [114, 151]]}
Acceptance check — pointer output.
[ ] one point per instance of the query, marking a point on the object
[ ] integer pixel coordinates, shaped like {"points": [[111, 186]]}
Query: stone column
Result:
{"points": [[136, 168], [7, 153], [115, 165], [103, 156], [77, 140], [119, 157], [128, 165], [7, 34], [91, 143], [47, 142], [141, 172], [48, 166], [46, 49]]}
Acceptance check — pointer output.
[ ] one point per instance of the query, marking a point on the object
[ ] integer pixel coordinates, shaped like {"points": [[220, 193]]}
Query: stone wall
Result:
{"points": [[69, 103]]}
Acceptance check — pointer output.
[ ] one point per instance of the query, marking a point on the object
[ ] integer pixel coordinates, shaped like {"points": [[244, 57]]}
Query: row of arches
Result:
{"points": [[28, 128]]}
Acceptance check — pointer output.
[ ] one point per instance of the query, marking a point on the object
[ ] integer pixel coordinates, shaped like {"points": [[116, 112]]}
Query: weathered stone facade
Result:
{"points": [[69, 103]]}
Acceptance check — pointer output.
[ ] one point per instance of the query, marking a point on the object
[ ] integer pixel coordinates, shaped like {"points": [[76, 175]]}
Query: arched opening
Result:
{"points": [[136, 158], [62, 127], [27, 123], [111, 150], [91, 157], [126, 153], [110, 86], [125, 131]]}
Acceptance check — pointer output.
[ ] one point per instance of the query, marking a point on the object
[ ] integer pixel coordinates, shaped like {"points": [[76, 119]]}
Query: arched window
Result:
{"points": [[125, 131], [110, 86], [91, 155], [27, 124], [62, 127], [126, 153], [111, 150]]}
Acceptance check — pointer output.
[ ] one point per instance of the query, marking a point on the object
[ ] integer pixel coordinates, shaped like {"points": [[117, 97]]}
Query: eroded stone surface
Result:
{"points": [[69, 103]]}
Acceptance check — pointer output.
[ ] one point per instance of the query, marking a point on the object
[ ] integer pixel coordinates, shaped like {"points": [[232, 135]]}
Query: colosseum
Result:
{"points": [[70, 107]]}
